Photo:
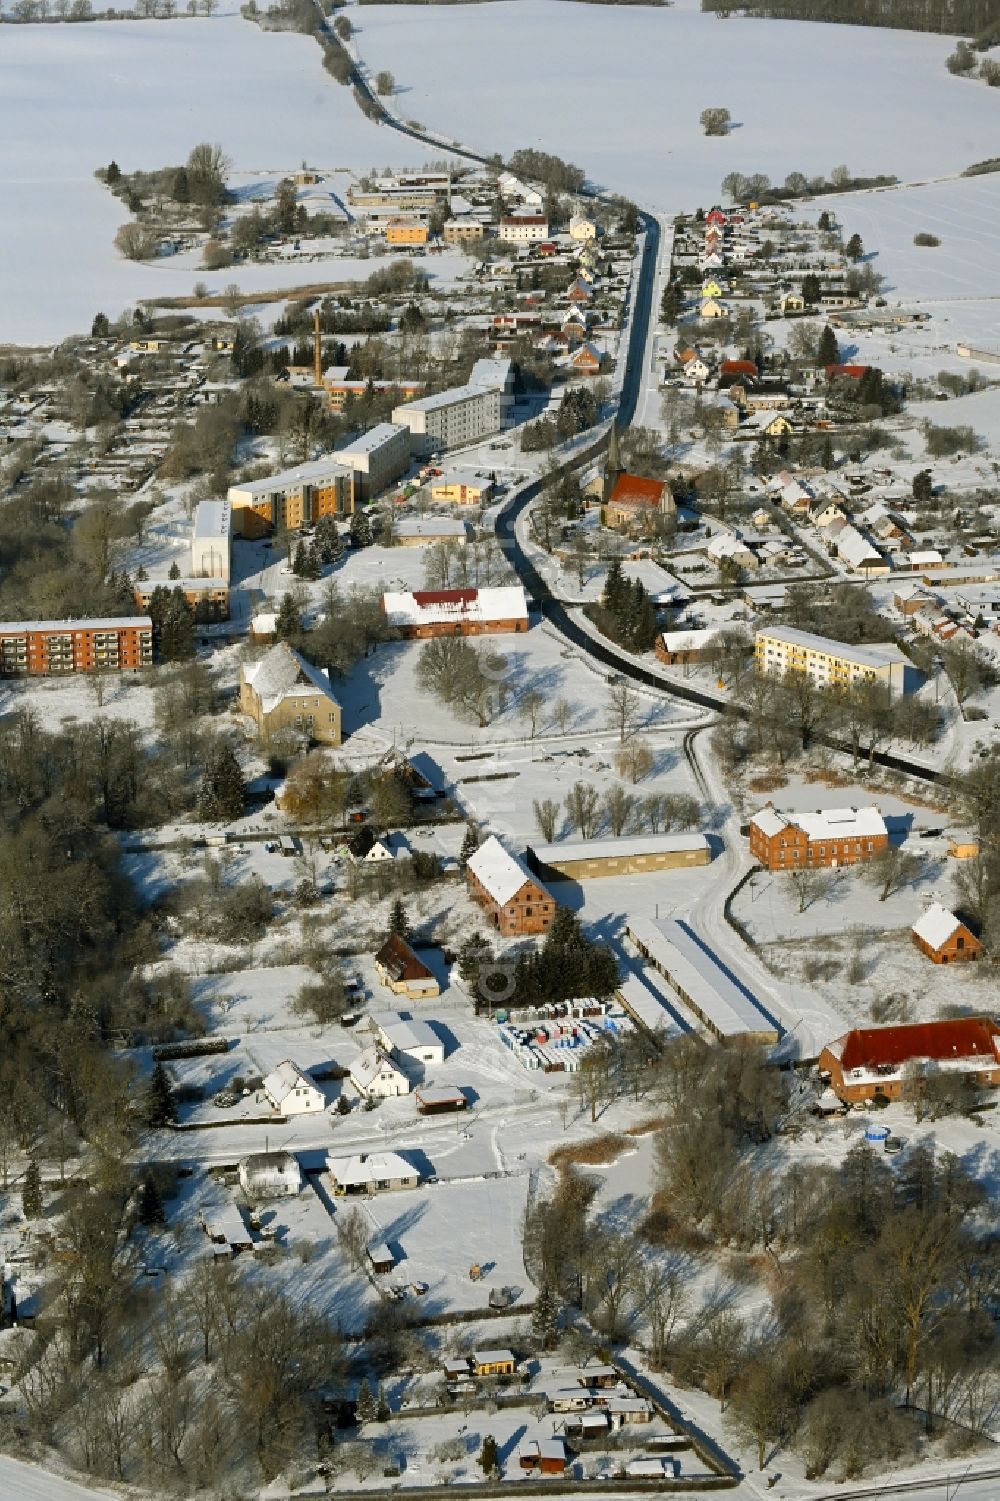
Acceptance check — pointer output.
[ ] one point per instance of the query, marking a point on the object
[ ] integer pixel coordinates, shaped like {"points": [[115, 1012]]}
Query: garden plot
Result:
{"points": [[437, 1232], [887, 106]]}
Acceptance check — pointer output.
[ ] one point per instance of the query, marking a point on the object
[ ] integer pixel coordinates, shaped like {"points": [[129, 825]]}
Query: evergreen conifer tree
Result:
{"points": [[545, 1318], [161, 1108], [489, 1458], [827, 350], [470, 843], [399, 923], [150, 1204], [173, 572], [31, 1192], [367, 1403], [299, 560], [288, 622], [474, 953], [223, 788], [361, 530], [854, 248], [383, 1413], [176, 634]]}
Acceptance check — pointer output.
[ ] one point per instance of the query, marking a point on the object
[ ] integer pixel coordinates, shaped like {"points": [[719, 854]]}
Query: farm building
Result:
{"points": [[701, 984], [944, 938], [376, 1077], [380, 1258], [398, 968], [870, 1062], [582, 860], [270, 1175], [830, 836], [291, 1092], [678, 647], [515, 901], [371, 1172], [225, 1229]]}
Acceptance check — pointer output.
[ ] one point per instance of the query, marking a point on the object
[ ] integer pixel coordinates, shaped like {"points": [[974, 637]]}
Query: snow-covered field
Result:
{"points": [[620, 92], [144, 93]]}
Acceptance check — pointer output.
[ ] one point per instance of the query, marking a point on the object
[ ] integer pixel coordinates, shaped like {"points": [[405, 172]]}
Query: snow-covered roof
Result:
{"points": [[856, 549], [284, 1080], [283, 672], [824, 823], [880, 654], [315, 473], [492, 1357], [613, 849], [432, 607], [369, 1167], [371, 441], [372, 1064], [499, 872], [405, 1036], [699, 978], [99, 623], [936, 925], [432, 526], [211, 519]]}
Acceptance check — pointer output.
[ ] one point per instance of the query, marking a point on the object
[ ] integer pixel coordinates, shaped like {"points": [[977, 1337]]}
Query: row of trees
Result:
{"points": [[586, 812]]}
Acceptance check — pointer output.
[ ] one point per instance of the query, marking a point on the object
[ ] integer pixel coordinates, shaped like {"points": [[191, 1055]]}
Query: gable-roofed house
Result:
{"points": [[283, 692], [292, 1092], [871, 1062], [517, 903], [944, 938], [376, 1077], [399, 968]]}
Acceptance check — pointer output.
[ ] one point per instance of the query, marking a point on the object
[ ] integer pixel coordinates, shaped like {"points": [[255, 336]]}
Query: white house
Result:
{"points": [[371, 1172], [270, 1175], [291, 1092], [581, 228], [408, 1039], [376, 1077]]}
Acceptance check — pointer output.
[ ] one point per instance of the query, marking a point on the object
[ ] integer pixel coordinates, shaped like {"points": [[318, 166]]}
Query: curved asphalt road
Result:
{"points": [[506, 522]]}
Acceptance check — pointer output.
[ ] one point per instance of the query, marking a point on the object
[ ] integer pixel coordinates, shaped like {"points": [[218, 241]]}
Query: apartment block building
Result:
{"points": [[832, 664], [207, 597], [293, 498], [830, 836], [376, 458], [524, 229], [211, 540], [340, 389], [49, 648], [424, 613], [462, 231], [406, 232], [463, 414]]}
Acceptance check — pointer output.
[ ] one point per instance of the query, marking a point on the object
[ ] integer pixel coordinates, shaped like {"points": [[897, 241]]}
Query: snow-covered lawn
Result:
{"points": [[620, 92]]}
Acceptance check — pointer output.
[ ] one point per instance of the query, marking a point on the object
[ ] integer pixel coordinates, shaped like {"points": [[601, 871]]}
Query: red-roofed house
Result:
{"points": [[457, 612], [715, 216], [742, 370], [852, 372], [634, 496], [869, 1062]]}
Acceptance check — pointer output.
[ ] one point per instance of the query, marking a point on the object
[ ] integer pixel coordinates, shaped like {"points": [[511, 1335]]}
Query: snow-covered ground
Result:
{"points": [[143, 93], [802, 97]]}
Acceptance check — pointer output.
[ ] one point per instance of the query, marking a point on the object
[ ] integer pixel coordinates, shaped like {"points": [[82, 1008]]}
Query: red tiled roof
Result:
{"points": [[854, 371], [967, 1037], [635, 490], [739, 367], [427, 598]]}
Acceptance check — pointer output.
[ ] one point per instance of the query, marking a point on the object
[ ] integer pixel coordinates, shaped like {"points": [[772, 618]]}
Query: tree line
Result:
{"points": [[952, 17]]}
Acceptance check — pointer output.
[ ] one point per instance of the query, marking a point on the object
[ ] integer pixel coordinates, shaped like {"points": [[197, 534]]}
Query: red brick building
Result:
{"points": [[516, 902], [457, 612], [49, 648], [943, 938], [830, 836], [869, 1062]]}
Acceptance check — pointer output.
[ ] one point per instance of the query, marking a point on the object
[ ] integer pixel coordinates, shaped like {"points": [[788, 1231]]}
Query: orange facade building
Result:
{"points": [[828, 837], [49, 648], [406, 232], [870, 1062], [517, 903]]}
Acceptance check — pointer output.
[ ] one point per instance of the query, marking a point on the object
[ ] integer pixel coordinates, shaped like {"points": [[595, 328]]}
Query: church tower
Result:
{"points": [[612, 464]]}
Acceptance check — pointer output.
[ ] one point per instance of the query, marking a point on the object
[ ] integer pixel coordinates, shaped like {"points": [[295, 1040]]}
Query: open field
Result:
{"points": [[620, 92], [142, 93]]}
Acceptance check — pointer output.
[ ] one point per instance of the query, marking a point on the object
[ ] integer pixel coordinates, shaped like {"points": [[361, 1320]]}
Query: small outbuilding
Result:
{"points": [[542, 1456], [944, 938]]}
